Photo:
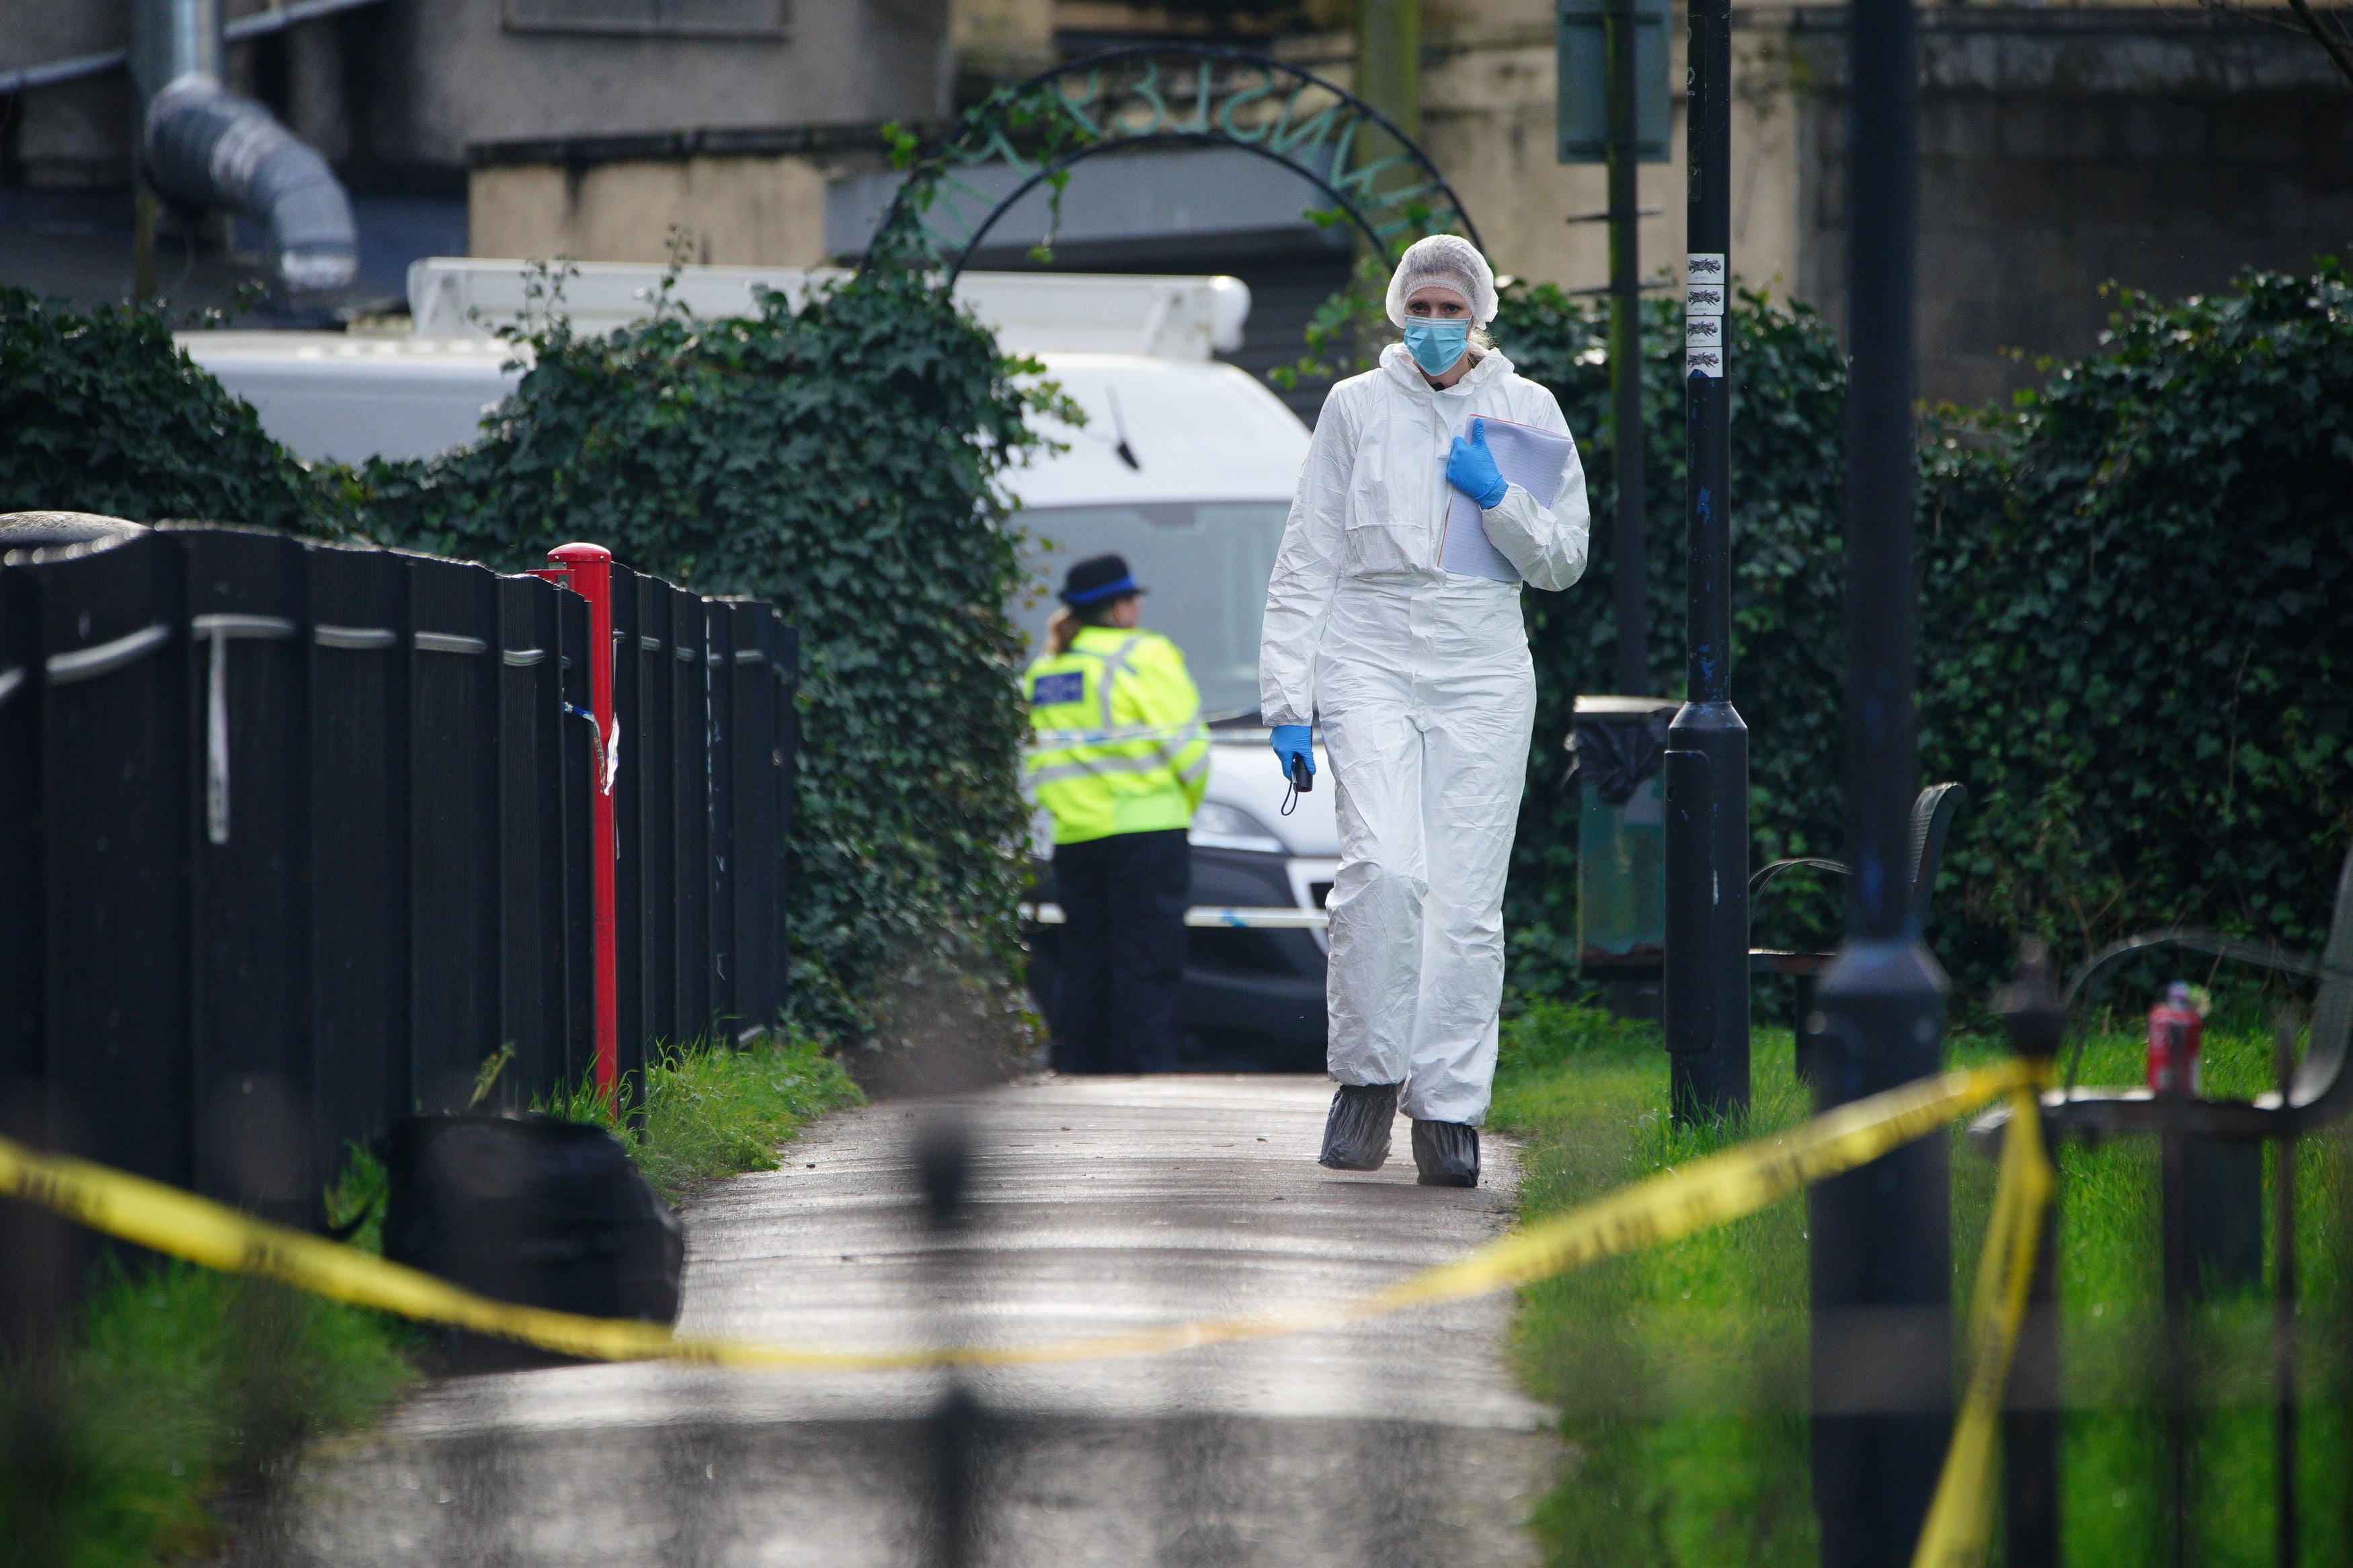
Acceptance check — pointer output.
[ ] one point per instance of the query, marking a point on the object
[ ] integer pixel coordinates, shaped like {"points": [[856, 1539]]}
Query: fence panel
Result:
{"points": [[248, 710], [453, 832], [361, 656], [657, 770], [691, 812], [788, 730], [20, 853], [759, 701], [580, 774], [115, 816], [532, 901], [629, 836], [719, 685], [293, 838]]}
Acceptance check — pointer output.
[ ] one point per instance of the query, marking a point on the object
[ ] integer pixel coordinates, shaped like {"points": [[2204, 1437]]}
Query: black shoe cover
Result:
{"points": [[1356, 1133], [1447, 1153]]}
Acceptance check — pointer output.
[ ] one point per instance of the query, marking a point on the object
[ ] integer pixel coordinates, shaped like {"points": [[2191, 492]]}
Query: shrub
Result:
{"points": [[841, 459], [2139, 637], [105, 414], [2137, 619]]}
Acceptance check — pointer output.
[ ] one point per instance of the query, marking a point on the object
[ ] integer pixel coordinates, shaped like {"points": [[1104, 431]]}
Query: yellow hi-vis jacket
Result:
{"points": [[1118, 745]]}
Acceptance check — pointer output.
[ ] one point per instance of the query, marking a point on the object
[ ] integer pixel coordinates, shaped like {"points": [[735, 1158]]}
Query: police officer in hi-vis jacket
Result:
{"points": [[1120, 756]]}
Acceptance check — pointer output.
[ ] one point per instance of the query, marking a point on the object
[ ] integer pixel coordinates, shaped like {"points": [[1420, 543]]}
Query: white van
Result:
{"points": [[1185, 467]]}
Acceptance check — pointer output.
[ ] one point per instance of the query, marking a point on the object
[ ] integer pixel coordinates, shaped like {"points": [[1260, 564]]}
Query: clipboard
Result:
{"points": [[1532, 459]]}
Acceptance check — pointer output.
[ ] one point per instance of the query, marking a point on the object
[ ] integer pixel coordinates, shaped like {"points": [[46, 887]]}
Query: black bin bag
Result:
{"points": [[530, 1210]]}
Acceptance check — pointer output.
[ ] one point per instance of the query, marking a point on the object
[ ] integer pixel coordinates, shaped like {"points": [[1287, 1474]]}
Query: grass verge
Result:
{"points": [[1682, 1371], [708, 1112], [176, 1394]]}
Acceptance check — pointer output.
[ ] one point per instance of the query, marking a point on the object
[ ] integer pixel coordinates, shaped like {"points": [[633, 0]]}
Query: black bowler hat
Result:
{"points": [[1097, 578]]}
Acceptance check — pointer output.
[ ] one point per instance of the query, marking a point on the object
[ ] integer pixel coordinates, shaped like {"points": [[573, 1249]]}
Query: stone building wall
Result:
{"points": [[399, 90], [2063, 150]]}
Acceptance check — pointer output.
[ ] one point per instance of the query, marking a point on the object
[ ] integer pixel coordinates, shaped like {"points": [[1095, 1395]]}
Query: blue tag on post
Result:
{"points": [[1070, 686]]}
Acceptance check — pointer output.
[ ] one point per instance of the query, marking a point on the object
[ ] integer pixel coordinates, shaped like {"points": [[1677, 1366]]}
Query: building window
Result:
{"points": [[675, 18]]}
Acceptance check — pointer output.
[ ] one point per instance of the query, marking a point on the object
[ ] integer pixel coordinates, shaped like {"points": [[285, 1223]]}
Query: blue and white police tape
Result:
{"points": [[1241, 918]]}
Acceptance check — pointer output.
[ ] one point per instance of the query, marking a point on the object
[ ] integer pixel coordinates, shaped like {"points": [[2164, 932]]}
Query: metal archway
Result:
{"points": [[1176, 95]]}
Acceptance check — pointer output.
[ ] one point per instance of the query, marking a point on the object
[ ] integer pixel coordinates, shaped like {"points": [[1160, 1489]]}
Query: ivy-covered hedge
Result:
{"points": [[2140, 627], [103, 413], [843, 460], [2136, 620], [2138, 594]]}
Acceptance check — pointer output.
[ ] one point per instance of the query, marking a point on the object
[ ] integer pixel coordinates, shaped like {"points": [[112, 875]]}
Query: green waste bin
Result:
{"points": [[1618, 745]]}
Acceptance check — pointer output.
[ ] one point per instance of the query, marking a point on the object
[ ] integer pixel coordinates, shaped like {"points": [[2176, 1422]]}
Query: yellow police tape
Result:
{"points": [[1960, 1517], [1708, 1191]]}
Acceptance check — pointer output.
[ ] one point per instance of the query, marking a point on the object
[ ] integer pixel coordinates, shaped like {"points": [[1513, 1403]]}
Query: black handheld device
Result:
{"points": [[1303, 782]]}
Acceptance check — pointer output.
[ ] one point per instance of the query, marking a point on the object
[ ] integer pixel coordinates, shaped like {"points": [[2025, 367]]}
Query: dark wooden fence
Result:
{"points": [[293, 838]]}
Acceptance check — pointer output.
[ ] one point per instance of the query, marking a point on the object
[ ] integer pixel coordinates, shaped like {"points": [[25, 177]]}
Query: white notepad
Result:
{"points": [[1531, 458]]}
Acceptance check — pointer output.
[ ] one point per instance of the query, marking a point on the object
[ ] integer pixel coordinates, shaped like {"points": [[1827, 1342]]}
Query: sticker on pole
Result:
{"points": [[1706, 280]]}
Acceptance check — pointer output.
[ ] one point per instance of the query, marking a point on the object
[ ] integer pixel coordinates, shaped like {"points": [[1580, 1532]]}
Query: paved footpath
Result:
{"points": [[1097, 1205]]}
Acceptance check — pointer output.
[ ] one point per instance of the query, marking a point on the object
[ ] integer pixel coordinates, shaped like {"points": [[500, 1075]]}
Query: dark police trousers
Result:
{"points": [[1123, 950]]}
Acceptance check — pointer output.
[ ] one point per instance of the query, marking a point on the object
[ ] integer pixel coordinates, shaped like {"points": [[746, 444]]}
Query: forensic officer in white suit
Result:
{"points": [[1421, 681]]}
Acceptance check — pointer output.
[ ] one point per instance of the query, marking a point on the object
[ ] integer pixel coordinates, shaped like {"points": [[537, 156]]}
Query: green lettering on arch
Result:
{"points": [[1199, 123], [1311, 132], [1141, 94], [1076, 107], [1148, 89], [1251, 95]]}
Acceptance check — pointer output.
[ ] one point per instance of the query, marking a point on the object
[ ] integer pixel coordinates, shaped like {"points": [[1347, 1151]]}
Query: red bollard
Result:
{"points": [[587, 571]]}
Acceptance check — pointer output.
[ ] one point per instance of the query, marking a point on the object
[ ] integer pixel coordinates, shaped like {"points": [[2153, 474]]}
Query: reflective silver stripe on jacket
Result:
{"points": [[1112, 663], [1101, 766], [1061, 740]]}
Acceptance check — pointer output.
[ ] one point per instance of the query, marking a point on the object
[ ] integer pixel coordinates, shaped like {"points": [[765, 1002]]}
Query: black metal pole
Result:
{"points": [[1626, 435], [1707, 746], [958, 1431], [2180, 1277], [2283, 1432], [1881, 1236], [2032, 1017]]}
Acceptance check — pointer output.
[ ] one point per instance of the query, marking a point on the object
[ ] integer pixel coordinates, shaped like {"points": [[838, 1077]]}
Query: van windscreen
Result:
{"points": [[1204, 565]]}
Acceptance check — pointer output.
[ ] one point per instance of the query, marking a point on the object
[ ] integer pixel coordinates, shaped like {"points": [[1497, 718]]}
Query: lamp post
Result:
{"points": [[1633, 676], [1707, 991], [1880, 1237]]}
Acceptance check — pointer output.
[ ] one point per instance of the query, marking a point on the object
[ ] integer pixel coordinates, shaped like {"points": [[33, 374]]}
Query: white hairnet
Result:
{"points": [[1452, 262]]}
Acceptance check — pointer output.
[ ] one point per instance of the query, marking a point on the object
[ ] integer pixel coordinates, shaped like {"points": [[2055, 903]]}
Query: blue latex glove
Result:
{"points": [[1470, 468], [1292, 739]]}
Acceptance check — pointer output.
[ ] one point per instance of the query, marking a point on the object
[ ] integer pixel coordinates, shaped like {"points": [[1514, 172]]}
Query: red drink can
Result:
{"points": [[2176, 1029]]}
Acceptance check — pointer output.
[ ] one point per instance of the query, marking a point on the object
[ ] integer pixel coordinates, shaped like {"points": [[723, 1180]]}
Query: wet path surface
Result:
{"points": [[1095, 1205]]}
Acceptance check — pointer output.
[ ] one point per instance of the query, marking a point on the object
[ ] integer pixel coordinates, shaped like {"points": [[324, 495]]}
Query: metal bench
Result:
{"points": [[1932, 819]]}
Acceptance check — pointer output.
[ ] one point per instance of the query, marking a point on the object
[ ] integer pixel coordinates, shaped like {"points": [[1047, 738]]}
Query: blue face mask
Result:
{"points": [[1437, 345]]}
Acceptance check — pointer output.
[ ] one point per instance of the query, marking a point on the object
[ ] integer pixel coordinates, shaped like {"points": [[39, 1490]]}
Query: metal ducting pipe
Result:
{"points": [[204, 146]]}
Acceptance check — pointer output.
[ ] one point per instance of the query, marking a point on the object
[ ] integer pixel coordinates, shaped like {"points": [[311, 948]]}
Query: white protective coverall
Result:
{"points": [[1422, 682]]}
